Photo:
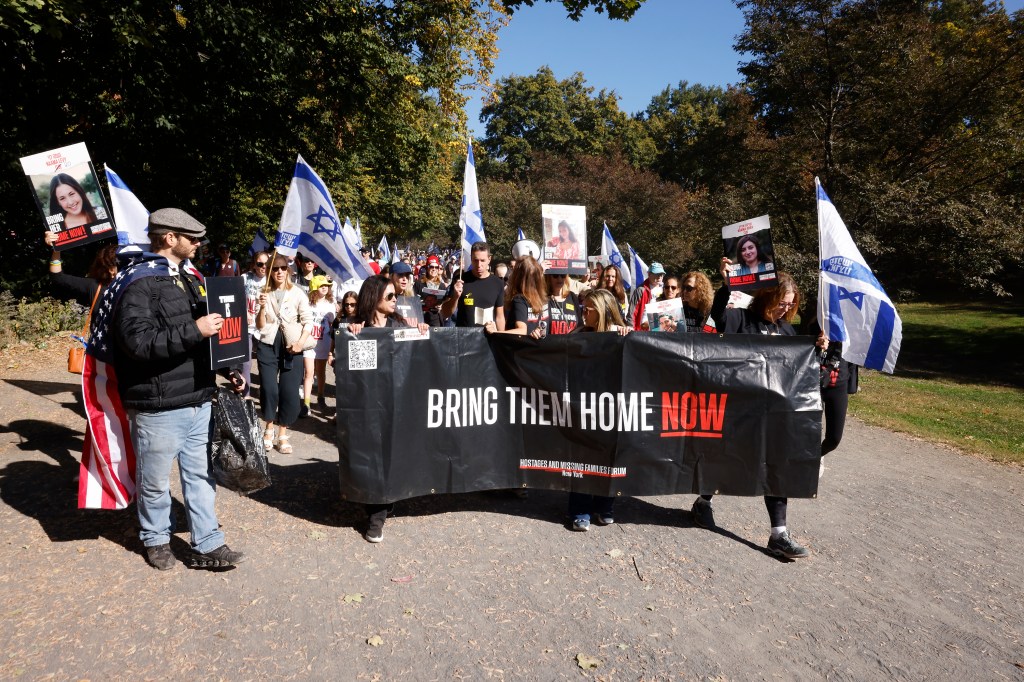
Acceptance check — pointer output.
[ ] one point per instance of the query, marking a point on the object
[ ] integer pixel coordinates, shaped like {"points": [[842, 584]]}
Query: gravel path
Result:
{"points": [[917, 572]]}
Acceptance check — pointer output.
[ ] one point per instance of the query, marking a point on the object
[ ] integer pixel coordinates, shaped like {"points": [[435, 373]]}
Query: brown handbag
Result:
{"points": [[76, 354]]}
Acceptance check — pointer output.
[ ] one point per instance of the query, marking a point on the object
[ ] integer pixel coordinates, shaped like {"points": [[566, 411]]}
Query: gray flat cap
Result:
{"points": [[175, 220]]}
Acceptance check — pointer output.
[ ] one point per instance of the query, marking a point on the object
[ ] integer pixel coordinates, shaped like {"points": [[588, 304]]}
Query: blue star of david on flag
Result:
{"points": [[334, 231]]}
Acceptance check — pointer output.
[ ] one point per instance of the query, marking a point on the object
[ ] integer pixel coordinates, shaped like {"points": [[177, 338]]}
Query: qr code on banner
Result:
{"points": [[362, 355]]}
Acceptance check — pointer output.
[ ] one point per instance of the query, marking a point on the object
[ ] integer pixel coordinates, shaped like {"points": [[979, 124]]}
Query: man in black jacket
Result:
{"points": [[162, 359]]}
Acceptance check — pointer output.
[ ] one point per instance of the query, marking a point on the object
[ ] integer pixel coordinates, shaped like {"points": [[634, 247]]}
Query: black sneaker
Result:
{"points": [[160, 557], [321, 403], [375, 528], [304, 412], [702, 513], [222, 557], [784, 546], [605, 519]]}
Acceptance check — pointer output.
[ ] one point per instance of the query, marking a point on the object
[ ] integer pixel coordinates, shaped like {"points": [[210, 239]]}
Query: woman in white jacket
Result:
{"points": [[280, 365]]}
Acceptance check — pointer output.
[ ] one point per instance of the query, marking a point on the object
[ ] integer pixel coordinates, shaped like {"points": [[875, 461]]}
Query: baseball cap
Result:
{"points": [[318, 281], [401, 268], [525, 247], [434, 260], [656, 269]]}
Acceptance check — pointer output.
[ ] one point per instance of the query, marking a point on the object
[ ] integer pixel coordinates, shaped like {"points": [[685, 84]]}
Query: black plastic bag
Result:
{"points": [[238, 454]]}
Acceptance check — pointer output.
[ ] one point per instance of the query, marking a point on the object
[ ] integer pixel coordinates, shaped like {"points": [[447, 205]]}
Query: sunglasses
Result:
{"points": [[672, 288], [194, 240], [350, 304], [787, 306], [278, 268], [261, 263], [390, 297], [687, 288]]}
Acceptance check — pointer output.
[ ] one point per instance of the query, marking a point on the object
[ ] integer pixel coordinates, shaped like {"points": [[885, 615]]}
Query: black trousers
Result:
{"points": [[776, 508], [834, 402], [280, 378]]}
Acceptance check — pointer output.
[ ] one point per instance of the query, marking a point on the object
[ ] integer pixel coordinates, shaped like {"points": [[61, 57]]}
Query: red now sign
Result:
{"points": [[231, 332], [691, 414]]}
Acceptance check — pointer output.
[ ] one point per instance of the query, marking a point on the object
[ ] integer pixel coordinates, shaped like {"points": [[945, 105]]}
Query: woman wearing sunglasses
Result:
{"points": [[770, 313], [376, 308], [280, 365]]}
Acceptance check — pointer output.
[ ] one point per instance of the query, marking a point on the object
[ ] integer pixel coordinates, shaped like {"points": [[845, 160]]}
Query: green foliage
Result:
{"points": [[911, 115], [204, 105], [617, 9], [33, 321], [539, 113], [639, 207]]}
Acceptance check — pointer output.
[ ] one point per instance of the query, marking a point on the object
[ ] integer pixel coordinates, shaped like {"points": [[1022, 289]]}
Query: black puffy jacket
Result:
{"points": [[162, 359]]}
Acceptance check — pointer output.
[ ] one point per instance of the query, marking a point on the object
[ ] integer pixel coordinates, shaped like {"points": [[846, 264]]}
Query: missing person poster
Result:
{"points": [[68, 194], [665, 316], [226, 295], [411, 308], [565, 239], [749, 246]]}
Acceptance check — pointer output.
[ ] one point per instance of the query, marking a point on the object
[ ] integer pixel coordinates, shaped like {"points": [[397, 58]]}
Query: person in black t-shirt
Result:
{"points": [[476, 290]]}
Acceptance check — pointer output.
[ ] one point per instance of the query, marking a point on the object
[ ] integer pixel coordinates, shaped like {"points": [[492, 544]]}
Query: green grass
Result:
{"points": [[959, 379]]}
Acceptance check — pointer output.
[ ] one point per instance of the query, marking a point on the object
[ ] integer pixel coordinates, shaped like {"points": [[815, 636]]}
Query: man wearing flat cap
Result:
{"points": [[162, 358]]}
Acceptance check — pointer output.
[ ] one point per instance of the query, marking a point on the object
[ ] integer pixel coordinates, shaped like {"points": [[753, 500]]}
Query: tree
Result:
{"points": [[909, 112], [640, 208], [205, 105], [540, 113]]}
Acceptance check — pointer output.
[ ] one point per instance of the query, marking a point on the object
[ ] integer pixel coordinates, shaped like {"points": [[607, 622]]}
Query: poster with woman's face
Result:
{"points": [[748, 245], [565, 239], [68, 194]]}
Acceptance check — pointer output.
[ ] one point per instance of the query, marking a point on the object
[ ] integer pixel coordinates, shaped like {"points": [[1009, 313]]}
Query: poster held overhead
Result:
{"points": [[749, 245], [67, 194], [565, 239]]}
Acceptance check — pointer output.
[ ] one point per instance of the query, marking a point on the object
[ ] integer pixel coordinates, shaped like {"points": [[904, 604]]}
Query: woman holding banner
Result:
{"points": [[770, 313], [600, 314], [611, 279], [376, 307], [280, 364]]}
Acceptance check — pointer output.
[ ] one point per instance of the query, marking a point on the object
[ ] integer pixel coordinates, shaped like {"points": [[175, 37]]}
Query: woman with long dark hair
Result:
{"points": [[770, 313], [68, 198], [376, 308], [611, 279], [750, 256]]}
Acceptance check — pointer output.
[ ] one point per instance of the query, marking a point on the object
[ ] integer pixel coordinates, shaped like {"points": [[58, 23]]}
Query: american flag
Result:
{"points": [[107, 477]]}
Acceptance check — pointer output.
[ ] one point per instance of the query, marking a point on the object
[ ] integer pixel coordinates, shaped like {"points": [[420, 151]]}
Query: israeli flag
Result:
{"points": [[519, 235], [131, 219], [385, 252], [471, 219], [853, 308], [310, 226], [359, 234], [611, 255], [639, 267], [259, 243]]}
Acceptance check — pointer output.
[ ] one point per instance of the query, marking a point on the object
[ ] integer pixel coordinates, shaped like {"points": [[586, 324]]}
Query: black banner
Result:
{"points": [[645, 414]]}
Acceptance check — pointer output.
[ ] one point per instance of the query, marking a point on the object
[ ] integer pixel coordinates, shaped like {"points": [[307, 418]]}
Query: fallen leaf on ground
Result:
{"points": [[614, 553], [349, 598], [403, 579], [317, 535], [375, 640], [586, 662]]}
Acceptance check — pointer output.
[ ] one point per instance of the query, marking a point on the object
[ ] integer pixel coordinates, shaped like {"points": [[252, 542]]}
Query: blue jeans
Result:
{"points": [[160, 438]]}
